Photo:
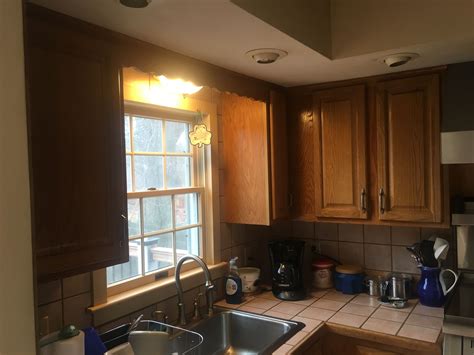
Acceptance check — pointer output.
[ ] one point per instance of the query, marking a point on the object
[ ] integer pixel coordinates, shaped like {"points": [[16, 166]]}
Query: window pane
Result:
{"points": [[148, 172], [187, 242], [177, 140], [186, 209], [157, 213], [158, 252], [127, 134], [147, 135], [133, 217], [128, 270], [178, 172], [128, 159]]}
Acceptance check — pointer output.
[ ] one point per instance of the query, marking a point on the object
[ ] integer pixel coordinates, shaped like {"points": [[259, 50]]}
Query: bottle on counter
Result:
{"points": [[233, 284]]}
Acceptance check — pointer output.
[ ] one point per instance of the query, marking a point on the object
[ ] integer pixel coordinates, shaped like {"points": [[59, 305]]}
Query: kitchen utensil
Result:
{"points": [[250, 278], [397, 288], [398, 304], [135, 323], [427, 253], [432, 287], [441, 247], [415, 250]]}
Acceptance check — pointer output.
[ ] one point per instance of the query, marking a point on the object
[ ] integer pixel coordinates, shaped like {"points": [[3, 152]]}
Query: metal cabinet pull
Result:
{"points": [[123, 217], [363, 201], [382, 201]]}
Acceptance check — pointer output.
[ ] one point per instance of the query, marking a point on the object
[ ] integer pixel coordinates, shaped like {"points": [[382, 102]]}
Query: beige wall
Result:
{"points": [[17, 334]]}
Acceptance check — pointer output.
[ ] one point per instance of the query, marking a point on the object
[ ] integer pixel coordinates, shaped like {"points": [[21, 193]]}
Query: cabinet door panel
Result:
{"points": [[279, 155], [77, 159], [340, 154], [408, 161], [245, 159]]}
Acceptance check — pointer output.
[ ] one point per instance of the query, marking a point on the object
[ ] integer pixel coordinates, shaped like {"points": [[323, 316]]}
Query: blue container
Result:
{"points": [[349, 284], [429, 288]]}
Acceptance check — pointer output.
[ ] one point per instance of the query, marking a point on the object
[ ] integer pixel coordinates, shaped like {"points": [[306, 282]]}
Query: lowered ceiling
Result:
{"points": [[326, 40]]}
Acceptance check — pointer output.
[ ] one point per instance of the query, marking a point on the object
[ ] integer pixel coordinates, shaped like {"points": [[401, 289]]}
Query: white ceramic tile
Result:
{"points": [[407, 309], [310, 324], [271, 313], [262, 303], [358, 309], [318, 293], [425, 321], [297, 338], [338, 296], [316, 313], [288, 308], [250, 309], [224, 304], [388, 314], [366, 300], [268, 295], [307, 301], [382, 326], [75, 285], [351, 320], [328, 304], [419, 333], [429, 311]]}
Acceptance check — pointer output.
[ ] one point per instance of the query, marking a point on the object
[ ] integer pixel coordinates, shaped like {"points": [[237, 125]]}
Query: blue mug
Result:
{"points": [[432, 287]]}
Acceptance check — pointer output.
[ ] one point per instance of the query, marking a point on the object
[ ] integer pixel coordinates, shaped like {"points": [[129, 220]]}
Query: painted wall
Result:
{"points": [[17, 333]]}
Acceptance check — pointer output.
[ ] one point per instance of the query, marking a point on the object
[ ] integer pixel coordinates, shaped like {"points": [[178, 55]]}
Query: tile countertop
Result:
{"points": [[416, 322]]}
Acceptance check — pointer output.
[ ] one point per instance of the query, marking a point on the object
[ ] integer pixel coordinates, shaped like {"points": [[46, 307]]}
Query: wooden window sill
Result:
{"points": [[127, 302]]}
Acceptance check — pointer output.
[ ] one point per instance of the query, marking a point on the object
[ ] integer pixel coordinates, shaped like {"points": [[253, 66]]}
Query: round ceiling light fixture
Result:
{"points": [[135, 4], [266, 55], [397, 59]]}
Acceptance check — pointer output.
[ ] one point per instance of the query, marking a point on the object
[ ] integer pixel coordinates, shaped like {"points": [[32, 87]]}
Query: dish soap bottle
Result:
{"points": [[233, 284]]}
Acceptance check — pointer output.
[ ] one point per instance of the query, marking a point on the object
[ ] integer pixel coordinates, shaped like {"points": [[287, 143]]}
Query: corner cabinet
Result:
{"points": [[408, 150], [76, 148], [340, 153], [254, 159]]}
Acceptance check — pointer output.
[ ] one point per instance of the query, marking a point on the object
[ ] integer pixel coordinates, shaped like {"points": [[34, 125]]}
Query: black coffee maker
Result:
{"points": [[287, 269]]}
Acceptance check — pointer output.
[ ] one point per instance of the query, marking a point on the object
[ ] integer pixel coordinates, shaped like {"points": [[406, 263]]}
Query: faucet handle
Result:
{"points": [[197, 305], [156, 314]]}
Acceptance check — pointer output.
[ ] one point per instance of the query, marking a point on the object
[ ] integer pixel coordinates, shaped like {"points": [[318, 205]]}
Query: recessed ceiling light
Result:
{"points": [[136, 4], [266, 55], [397, 59]]}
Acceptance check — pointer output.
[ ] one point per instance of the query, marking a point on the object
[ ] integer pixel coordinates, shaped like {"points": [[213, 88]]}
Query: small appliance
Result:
{"points": [[287, 269]]}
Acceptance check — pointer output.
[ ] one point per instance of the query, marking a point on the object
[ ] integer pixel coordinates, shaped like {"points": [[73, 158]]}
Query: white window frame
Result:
{"points": [[198, 179]]}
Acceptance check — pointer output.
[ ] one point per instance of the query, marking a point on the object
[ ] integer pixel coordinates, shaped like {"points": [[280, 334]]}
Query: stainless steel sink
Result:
{"points": [[236, 332]]}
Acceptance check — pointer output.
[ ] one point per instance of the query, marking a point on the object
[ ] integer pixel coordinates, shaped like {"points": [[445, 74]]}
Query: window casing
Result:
{"points": [[165, 194]]}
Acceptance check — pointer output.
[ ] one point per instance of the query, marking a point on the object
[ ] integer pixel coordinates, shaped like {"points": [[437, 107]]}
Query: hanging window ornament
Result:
{"points": [[200, 135]]}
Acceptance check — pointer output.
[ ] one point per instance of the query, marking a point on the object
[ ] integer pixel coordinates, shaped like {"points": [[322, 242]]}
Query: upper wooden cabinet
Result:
{"points": [[408, 149], [369, 152], [340, 153], [254, 160], [77, 157]]}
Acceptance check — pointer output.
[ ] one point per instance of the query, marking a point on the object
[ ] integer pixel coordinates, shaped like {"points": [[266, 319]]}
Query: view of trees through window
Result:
{"points": [[164, 221]]}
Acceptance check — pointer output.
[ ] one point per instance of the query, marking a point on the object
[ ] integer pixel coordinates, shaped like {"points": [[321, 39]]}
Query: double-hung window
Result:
{"points": [[164, 193]]}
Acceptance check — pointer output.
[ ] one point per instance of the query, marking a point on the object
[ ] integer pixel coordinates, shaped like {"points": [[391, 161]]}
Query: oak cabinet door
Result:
{"points": [[77, 154], [340, 153], [245, 160], [279, 156], [408, 150]]}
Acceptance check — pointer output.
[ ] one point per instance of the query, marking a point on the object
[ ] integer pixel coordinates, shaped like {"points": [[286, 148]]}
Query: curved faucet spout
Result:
{"points": [[209, 286]]}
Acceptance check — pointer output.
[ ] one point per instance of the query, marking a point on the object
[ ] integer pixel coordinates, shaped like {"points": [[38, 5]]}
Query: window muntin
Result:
{"points": [[164, 203]]}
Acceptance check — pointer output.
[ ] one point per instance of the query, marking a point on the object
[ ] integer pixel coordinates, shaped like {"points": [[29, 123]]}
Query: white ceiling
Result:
{"points": [[219, 32]]}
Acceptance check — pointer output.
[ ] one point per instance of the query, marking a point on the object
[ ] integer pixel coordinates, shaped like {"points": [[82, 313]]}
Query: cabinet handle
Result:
{"points": [[123, 217], [382, 201], [290, 200], [363, 201]]}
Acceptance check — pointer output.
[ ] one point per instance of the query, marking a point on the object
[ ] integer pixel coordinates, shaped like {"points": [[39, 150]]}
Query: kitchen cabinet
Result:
{"points": [[408, 149], [76, 149], [340, 153], [368, 151], [254, 159]]}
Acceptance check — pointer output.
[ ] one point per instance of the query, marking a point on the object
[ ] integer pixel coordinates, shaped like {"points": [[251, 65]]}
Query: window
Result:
{"points": [[164, 197]]}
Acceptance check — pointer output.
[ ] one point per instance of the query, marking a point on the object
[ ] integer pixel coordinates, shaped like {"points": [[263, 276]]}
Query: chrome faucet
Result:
{"points": [[209, 287]]}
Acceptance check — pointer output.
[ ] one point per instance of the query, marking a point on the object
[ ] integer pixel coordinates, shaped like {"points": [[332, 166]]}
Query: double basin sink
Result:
{"points": [[231, 332]]}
